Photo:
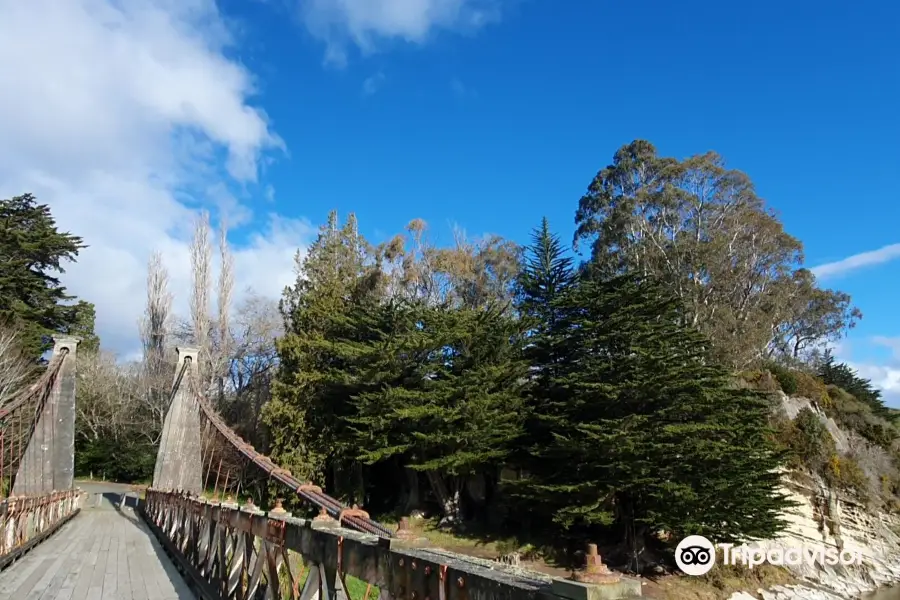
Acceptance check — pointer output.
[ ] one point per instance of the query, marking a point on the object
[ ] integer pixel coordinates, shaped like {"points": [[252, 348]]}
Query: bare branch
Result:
{"points": [[154, 377], [201, 279], [15, 368], [226, 285]]}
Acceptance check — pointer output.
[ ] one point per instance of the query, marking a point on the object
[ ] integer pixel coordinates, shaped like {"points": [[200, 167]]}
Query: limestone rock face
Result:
{"points": [[827, 518]]}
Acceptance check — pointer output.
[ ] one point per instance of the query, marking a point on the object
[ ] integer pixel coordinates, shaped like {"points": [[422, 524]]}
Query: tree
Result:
{"points": [[441, 389], [846, 378], [651, 434], [16, 367], [810, 317], [254, 360], [157, 364], [301, 418], [472, 273], [81, 325], [702, 230], [114, 438], [547, 274], [32, 253]]}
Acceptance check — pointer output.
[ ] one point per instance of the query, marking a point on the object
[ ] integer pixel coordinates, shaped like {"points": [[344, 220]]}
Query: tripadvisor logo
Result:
{"points": [[696, 555]]}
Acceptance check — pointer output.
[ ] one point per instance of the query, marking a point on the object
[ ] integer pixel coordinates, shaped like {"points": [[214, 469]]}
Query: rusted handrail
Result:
{"points": [[228, 551], [26, 521]]}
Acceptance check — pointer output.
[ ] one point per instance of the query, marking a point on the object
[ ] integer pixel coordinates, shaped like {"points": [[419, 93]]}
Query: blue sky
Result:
{"points": [[489, 114]]}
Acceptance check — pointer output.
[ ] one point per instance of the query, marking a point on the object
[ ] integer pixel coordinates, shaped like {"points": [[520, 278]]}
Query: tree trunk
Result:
{"points": [[413, 499], [635, 538], [448, 497]]}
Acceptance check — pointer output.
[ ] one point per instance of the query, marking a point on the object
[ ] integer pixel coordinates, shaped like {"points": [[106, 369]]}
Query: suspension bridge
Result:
{"points": [[196, 532]]}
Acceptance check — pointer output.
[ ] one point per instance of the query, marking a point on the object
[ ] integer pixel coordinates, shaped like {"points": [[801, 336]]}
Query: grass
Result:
{"points": [[357, 589], [719, 584]]}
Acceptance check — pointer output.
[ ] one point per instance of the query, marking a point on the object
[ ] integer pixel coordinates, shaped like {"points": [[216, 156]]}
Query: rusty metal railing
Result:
{"points": [[231, 551], [26, 521]]}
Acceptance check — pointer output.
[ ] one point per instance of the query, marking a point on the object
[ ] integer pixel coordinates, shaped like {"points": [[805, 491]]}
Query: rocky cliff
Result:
{"points": [[825, 517]]}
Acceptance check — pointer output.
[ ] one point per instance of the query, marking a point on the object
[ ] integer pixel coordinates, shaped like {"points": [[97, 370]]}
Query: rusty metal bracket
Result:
{"points": [[309, 487], [351, 512]]}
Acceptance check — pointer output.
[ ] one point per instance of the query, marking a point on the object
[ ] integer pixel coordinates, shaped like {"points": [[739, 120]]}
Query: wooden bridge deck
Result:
{"points": [[102, 554]]}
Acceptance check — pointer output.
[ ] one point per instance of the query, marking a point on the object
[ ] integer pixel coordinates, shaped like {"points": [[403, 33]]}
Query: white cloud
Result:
{"points": [[885, 376], [857, 261], [366, 22], [118, 114], [373, 84]]}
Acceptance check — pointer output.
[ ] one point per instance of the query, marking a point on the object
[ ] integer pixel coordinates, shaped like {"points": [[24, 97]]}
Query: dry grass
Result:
{"points": [[718, 584]]}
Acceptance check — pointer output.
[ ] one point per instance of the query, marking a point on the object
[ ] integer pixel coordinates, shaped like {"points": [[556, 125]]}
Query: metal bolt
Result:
{"points": [[460, 582], [414, 596], [400, 562], [427, 569], [413, 565]]}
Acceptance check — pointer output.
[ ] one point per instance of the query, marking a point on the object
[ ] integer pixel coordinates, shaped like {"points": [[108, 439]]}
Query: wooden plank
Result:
{"points": [[101, 554], [18, 572], [67, 558], [89, 561]]}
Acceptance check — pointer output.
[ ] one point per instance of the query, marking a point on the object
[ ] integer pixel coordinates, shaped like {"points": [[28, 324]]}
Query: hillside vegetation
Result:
{"points": [[629, 399]]}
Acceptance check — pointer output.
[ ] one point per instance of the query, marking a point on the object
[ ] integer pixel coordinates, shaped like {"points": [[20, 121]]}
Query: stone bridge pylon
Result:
{"points": [[48, 461], [179, 464]]}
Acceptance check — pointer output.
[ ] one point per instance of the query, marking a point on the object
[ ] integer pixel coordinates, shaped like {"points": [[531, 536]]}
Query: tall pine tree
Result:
{"points": [[444, 395], [311, 393], [646, 432], [32, 254], [546, 275]]}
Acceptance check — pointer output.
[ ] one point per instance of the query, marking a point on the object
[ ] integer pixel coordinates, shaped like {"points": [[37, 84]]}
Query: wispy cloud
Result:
{"points": [[461, 90], [342, 23], [857, 261], [373, 84], [892, 343], [884, 375]]}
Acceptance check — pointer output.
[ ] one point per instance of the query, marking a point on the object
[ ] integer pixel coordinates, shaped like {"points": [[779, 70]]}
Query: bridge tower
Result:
{"points": [[178, 460], [48, 463]]}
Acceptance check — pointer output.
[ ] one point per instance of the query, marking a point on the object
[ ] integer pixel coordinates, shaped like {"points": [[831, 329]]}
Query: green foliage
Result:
{"points": [[33, 252], [444, 389], [763, 380], [787, 378], [701, 230], [810, 442], [125, 459], [81, 325], [845, 473], [311, 394], [613, 398], [854, 415], [546, 274], [842, 376], [646, 429]]}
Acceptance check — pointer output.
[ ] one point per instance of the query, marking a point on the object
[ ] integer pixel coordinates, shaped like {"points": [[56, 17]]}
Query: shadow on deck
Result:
{"points": [[106, 552]]}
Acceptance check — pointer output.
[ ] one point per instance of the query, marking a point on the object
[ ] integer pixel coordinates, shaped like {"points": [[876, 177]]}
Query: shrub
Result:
{"points": [[844, 472], [808, 440], [809, 386], [786, 378], [762, 381], [854, 415]]}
